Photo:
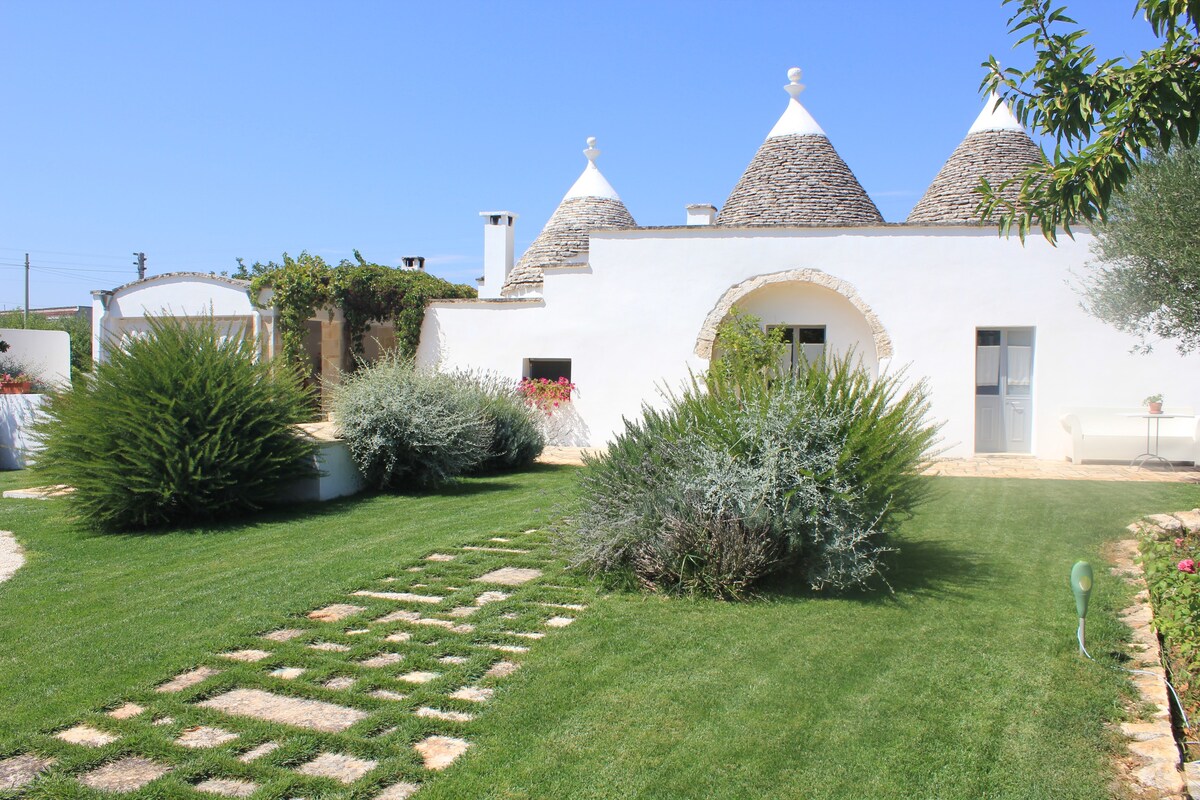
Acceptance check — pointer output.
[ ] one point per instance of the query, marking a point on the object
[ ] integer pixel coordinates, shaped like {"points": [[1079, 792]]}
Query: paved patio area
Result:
{"points": [[985, 467]]}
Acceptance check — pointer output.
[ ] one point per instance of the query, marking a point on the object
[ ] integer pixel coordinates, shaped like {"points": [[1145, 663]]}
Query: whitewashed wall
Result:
{"points": [[629, 321], [45, 353]]}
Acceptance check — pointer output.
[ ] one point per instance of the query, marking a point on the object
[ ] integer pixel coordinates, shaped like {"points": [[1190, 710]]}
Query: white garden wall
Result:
{"points": [[46, 354]]}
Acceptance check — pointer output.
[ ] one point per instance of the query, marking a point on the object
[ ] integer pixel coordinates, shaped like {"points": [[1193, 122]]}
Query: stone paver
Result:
{"points": [[39, 492], [358, 631], [490, 597], [454, 659], [248, 656], [565, 606], [439, 752], [288, 673], [339, 766], [474, 694], [284, 634], [477, 549], [420, 677], [382, 660], [399, 636], [186, 680], [203, 736], [449, 716], [398, 791], [335, 612], [227, 787], [11, 555], [340, 682], [502, 669], [507, 648], [440, 557], [527, 634], [125, 775], [316, 715], [462, 611], [401, 615], [127, 711], [20, 770], [87, 736], [404, 597], [445, 623], [329, 647], [266, 748], [559, 622], [386, 694], [510, 576]]}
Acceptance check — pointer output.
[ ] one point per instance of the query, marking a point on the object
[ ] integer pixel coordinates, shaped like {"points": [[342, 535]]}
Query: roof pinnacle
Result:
{"points": [[591, 152], [795, 87]]}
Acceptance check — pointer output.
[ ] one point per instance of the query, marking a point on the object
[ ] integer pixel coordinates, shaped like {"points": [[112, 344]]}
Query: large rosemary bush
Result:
{"points": [[406, 427], [516, 438], [746, 474], [183, 425]]}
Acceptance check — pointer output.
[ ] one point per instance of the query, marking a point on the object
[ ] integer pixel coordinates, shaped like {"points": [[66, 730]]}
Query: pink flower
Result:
{"points": [[1179, 542], [1187, 565]]}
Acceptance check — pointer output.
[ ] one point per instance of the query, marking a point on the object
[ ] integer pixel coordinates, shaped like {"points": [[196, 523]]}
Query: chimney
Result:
{"points": [[701, 214], [413, 262], [497, 250]]}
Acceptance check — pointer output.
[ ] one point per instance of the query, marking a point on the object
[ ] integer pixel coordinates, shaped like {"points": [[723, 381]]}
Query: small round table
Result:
{"points": [[1151, 453]]}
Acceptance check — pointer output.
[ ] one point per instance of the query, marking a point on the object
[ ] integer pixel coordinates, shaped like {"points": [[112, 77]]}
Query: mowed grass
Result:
{"points": [[963, 684]]}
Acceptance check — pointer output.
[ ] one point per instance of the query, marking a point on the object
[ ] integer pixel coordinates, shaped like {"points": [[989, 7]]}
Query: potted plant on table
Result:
{"points": [[1154, 403]]}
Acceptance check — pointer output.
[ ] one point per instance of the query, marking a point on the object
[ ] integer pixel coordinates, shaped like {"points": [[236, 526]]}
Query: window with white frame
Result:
{"points": [[804, 344]]}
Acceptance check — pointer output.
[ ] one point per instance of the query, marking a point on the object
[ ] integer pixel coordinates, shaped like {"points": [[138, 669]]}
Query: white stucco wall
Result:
{"points": [[47, 354], [123, 312], [629, 320]]}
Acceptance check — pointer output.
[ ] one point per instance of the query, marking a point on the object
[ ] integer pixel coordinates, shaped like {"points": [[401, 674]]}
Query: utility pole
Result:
{"points": [[141, 265], [26, 319]]}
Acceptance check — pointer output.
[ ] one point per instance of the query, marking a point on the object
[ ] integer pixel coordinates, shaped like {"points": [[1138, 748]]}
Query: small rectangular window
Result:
{"points": [[805, 342], [550, 369]]}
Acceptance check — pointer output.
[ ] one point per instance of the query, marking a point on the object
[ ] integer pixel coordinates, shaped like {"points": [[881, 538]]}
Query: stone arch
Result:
{"points": [[708, 332]]}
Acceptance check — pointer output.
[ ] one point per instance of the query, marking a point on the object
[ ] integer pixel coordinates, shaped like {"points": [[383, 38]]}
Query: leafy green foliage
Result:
{"points": [[747, 474], [1147, 281], [1103, 115], [181, 426], [1170, 566], [516, 438], [411, 428], [365, 293], [79, 329], [744, 348]]}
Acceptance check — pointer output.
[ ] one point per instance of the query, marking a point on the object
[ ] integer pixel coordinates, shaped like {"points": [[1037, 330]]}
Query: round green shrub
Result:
{"points": [[516, 438], [182, 425], [747, 475], [411, 428]]}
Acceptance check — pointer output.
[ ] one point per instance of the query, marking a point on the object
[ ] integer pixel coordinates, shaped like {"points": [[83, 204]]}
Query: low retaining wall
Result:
{"points": [[337, 474], [17, 414]]}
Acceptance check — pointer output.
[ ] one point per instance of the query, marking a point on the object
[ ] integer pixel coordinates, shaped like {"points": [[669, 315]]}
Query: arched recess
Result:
{"points": [[708, 332]]}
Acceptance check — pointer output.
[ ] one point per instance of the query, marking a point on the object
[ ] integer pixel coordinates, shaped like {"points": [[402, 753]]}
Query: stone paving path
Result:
{"points": [[367, 696], [983, 467], [11, 555]]}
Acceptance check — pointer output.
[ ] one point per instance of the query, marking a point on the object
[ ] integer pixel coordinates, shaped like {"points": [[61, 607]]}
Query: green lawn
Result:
{"points": [[964, 684]]}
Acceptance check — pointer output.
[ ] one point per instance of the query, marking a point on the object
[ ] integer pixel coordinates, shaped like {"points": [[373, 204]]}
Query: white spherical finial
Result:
{"points": [[591, 152], [795, 87]]}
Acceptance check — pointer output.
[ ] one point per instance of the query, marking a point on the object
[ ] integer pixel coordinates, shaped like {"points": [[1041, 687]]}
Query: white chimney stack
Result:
{"points": [[497, 250], [701, 214]]}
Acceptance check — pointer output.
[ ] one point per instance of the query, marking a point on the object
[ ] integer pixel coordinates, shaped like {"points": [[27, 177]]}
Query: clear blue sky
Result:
{"points": [[199, 132]]}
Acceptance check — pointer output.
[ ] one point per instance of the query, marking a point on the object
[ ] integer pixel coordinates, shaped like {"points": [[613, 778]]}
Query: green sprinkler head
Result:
{"points": [[1081, 585]]}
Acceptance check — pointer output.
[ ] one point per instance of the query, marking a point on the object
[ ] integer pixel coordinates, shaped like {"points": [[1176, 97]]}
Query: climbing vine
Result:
{"points": [[365, 293]]}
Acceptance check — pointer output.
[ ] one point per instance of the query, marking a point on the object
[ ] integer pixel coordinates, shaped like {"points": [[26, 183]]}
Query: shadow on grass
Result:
{"points": [[921, 569]]}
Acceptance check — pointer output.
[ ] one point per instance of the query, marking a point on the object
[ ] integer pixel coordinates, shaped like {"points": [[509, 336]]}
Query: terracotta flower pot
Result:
{"points": [[1156, 408], [16, 388]]}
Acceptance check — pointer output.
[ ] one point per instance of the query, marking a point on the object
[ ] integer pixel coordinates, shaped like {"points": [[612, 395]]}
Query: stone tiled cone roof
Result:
{"points": [[996, 155], [798, 179], [566, 235]]}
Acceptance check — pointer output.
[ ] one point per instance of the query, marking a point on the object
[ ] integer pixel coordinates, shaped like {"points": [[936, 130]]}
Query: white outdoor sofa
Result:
{"points": [[1105, 435]]}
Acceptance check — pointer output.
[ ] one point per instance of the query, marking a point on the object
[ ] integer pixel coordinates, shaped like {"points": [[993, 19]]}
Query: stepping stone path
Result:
{"points": [[246, 702]]}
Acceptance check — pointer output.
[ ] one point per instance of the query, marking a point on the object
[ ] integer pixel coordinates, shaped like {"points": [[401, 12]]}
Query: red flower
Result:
{"points": [[1187, 565], [1179, 542]]}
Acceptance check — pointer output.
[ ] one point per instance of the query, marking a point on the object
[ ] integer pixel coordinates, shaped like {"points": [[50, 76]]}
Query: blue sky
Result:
{"points": [[200, 132]]}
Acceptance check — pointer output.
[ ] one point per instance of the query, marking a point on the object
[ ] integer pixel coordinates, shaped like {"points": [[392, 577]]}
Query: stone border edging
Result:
{"points": [[12, 557], [1153, 742]]}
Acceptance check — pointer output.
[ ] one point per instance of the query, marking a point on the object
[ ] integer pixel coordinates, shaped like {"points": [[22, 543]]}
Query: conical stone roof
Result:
{"points": [[997, 149], [590, 204], [797, 178]]}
